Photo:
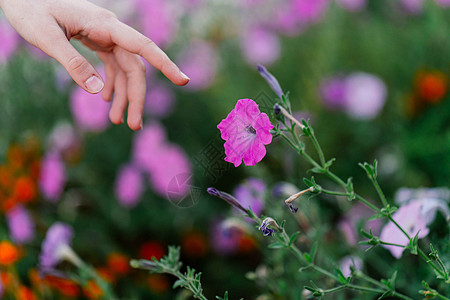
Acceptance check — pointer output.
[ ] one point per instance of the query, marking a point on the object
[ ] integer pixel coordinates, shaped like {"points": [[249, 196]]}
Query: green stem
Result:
{"points": [[318, 149], [380, 192]]}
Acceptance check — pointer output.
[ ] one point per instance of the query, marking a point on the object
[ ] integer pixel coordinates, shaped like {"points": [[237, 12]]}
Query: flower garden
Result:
{"points": [[308, 157]]}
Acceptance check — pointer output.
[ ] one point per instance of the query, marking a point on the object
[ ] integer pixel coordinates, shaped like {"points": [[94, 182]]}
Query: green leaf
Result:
{"points": [[225, 297], [413, 244], [350, 189], [276, 245], [179, 283], [313, 250], [308, 257], [293, 237]]}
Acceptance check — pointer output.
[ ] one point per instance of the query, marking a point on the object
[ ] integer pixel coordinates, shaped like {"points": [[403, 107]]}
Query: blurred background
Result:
{"points": [[371, 75]]}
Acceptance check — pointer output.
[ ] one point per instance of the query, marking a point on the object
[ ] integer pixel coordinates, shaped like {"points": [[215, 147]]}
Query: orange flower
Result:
{"points": [[6, 278], [431, 86], [15, 157], [8, 253], [25, 189], [6, 177], [118, 263], [92, 290], [158, 283], [66, 287], [150, 250], [195, 244], [247, 244], [25, 293], [106, 274]]}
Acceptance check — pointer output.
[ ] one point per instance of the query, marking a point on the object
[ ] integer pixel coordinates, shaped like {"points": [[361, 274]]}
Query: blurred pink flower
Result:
{"points": [[310, 11], [129, 186], [147, 146], [409, 217], [412, 6], [9, 39], [333, 92], [159, 21], [348, 261], [365, 95], [160, 101], [21, 225], [65, 140], [352, 5], [90, 112], [171, 176], [260, 46], [251, 194], [52, 177], [200, 62], [245, 130], [443, 3], [355, 219]]}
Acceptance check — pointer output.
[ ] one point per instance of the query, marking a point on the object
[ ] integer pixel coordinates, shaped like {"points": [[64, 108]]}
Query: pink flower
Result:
{"points": [[200, 62], [9, 40], [159, 21], [412, 6], [410, 218], [91, 112], [21, 225], [443, 3], [310, 11], [365, 95], [260, 46], [245, 130], [129, 186], [147, 146], [52, 177], [251, 194], [160, 101], [171, 176]]}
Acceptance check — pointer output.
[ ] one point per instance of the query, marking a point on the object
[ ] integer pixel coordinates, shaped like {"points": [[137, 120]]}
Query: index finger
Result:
{"points": [[137, 43]]}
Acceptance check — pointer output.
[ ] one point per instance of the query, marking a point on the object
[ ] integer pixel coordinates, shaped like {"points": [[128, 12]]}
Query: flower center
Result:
{"points": [[250, 129]]}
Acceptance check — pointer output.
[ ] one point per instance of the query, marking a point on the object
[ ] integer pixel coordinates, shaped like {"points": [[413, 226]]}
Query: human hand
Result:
{"points": [[50, 24]]}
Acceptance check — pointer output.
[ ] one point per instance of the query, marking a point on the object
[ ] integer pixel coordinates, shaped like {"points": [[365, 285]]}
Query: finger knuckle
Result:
{"points": [[78, 63]]}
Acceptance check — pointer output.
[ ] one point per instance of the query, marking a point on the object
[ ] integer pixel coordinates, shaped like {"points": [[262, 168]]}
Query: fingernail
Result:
{"points": [[185, 76], [94, 84]]}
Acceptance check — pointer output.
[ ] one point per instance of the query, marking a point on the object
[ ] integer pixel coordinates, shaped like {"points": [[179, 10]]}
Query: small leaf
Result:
{"points": [[308, 257], [313, 250], [276, 245], [179, 283], [293, 237]]}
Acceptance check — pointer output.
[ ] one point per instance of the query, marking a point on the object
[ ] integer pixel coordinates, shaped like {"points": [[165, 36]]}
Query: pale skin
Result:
{"points": [[50, 24]]}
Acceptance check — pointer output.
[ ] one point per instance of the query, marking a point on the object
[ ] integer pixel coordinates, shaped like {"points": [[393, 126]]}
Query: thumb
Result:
{"points": [[81, 71]]}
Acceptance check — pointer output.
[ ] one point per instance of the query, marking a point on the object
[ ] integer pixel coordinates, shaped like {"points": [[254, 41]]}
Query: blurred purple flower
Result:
{"points": [[52, 177], [260, 46], [57, 239], [251, 193], [159, 21], [410, 218], [9, 39], [160, 101], [20, 223], [333, 92], [358, 217], [200, 62], [129, 186], [412, 6], [65, 140], [2, 289], [352, 5], [348, 261], [443, 3], [90, 111], [171, 176], [365, 95], [225, 239], [246, 131], [147, 145]]}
